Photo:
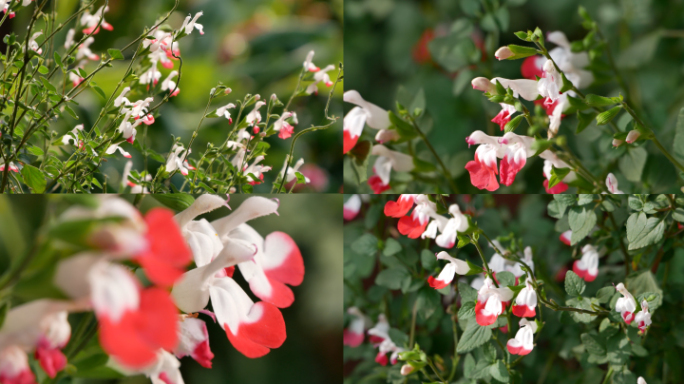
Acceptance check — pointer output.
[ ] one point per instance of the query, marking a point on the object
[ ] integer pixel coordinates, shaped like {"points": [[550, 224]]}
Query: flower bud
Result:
{"points": [[503, 53], [632, 136], [483, 84], [617, 142], [228, 90], [406, 370], [257, 97], [274, 97]]}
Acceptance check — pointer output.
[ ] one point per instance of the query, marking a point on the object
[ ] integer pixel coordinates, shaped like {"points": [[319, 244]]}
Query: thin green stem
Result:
{"points": [[445, 170], [484, 262]]}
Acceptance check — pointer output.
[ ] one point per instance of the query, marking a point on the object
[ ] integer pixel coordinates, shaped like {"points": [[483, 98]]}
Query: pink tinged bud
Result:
{"points": [[617, 142], [503, 53], [632, 136], [228, 90], [406, 370], [483, 84]]}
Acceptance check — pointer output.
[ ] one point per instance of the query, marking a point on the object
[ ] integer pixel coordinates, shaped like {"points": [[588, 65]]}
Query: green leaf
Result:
{"points": [[175, 201], [428, 260], [468, 366], [367, 245], [499, 372], [513, 124], [557, 175], [505, 278], [37, 151], [467, 310], [4, 308], [473, 337], [605, 294], [43, 70], [428, 301], [583, 120], [645, 284], [678, 214], [115, 54], [678, 147], [99, 91], [585, 198], [391, 247], [593, 344], [404, 128], [582, 221], [584, 303], [632, 163], [521, 51], [643, 231], [605, 117], [467, 292], [393, 278], [574, 285], [34, 178]]}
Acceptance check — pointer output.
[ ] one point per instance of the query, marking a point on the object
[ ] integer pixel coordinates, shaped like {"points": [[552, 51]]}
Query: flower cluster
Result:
{"points": [[139, 323]]}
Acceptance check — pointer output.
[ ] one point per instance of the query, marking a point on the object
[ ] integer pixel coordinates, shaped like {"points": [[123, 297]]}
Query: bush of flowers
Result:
{"points": [[137, 287], [571, 101], [513, 289], [46, 69]]}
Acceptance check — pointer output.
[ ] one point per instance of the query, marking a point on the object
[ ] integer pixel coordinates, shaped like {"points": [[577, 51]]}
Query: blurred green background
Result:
{"points": [[387, 58], [311, 353], [252, 46]]}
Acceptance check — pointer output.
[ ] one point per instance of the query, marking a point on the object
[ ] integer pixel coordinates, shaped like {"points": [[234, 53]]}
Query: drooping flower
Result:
{"points": [[254, 117], [174, 161], [353, 334], [550, 161], [550, 84], [169, 85], [255, 171], [491, 302], [565, 237], [643, 317], [193, 341], [380, 331], [388, 160], [223, 111], [504, 115], [190, 24], [14, 366], [626, 305], [453, 267], [523, 343], [612, 185], [526, 302], [352, 207], [308, 63], [388, 346], [363, 114], [284, 128], [587, 266], [320, 77]]}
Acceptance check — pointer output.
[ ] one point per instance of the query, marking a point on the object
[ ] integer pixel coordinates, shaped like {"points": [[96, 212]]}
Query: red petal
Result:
{"points": [[246, 346], [349, 142], [523, 311], [580, 272], [398, 208], [202, 354], [376, 184], [558, 188], [51, 360], [513, 350], [291, 270], [436, 284], [268, 330], [281, 295], [229, 271], [158, 318], [167, 255], [381, 359], [352, 339], [482, 177], [509, 170], [24, 377], [481, 319], [411, 227], [530, 69]]}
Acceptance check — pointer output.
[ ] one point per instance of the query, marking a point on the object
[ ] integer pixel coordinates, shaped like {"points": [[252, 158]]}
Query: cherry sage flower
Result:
{"points": [[352, 207], [387, 161], [115, 147], [565, 237], [400, 207], [643, 317], [572, 64], [527, 89], [491, 302], [626, 305], [308, 63], [254, 117], [14, 366], [190, 24], [73, 137], [284, 128], [193, 341], [169, 85], [320, 77], [33, 45], [504, 116], [453, 267], [12, 167], [223, 111], [85, 52], [512, 149], [526, 301], [641, 380], [612, 184], [91, 21], [174, 161], [364, 113], [587, 266], [523, 343], [551, 161], [380, 331], [353, 335], [292, 171]]}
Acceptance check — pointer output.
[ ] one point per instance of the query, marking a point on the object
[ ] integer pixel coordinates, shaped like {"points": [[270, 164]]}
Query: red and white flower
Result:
{"points": [[91, 21], [85, 52], [284, 128], [193, 341], [357, 118], [504, 116], [190, 24], [386, 161], [320, 76], [572, 64], [491, 302], [526, 301], [626, 305], [352, 207], [523, 343], [512, 149], [254, 117], [353, 334], [565, 237], [453, 267], [14, 366], [643, 317], [550, 161], [612, 185], [169, 85], [527, 89], [587, 266], [380, 331], [223, 111], [308, 63]]}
